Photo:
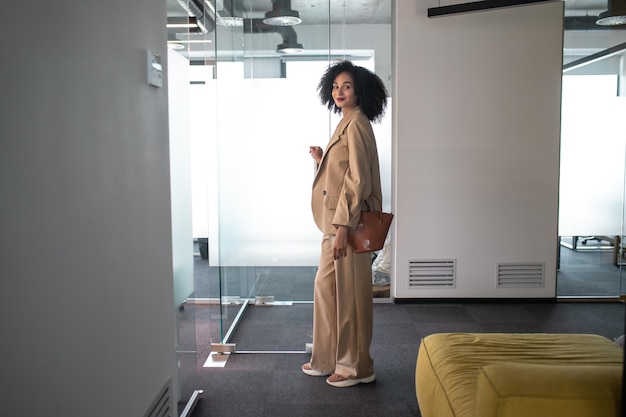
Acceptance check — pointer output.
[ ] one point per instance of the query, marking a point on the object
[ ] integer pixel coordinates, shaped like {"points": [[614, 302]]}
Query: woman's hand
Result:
{"points": [[316, 153], [340, 245]]}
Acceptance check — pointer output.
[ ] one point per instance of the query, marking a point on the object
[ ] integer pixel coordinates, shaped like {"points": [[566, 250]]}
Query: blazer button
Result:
{"points": [[324, 192]]}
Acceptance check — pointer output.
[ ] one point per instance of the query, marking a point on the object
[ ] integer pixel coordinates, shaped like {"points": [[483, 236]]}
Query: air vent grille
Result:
{"points": [[520, 275], [162, 403], [432, 273]]}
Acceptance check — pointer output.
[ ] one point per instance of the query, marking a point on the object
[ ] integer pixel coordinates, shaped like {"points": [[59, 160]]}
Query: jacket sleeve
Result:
{"points": [[357, 183]]}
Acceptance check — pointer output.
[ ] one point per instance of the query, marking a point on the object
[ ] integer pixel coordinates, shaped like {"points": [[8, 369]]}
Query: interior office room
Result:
{"points": [[155, 181]]}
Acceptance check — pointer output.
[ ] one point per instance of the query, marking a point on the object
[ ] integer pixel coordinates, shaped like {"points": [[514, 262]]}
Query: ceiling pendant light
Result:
{"points": [[290, 48], [282, 14], [615, 14]]}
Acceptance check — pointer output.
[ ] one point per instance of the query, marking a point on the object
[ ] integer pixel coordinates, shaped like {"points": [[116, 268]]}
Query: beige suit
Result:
{"points": [[347, 174]]}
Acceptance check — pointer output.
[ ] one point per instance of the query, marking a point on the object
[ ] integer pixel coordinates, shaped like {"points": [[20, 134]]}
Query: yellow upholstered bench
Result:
{"points": [[514, 375]]}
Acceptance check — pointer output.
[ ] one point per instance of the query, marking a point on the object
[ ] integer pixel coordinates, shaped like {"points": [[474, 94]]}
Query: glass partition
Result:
{"points": [[593, 155], [183, 31], [267, 114], [254, 112]]}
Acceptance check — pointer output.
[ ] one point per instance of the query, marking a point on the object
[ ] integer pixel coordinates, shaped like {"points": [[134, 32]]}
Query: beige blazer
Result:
{"points": [[347, 174]]}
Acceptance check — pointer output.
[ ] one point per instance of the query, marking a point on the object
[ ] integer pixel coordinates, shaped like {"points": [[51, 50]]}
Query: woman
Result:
{"points": [[347, 174]]}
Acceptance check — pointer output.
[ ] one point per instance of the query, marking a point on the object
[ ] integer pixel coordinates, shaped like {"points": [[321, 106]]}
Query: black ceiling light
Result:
{"points": [[614, 15], [290, 43], [290, 48], [282, 14]]}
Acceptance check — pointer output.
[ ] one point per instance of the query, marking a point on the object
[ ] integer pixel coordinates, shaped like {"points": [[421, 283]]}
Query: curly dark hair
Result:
{"points": [[368, 87]]}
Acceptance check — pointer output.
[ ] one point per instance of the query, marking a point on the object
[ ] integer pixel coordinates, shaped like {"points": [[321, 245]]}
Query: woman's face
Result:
{"points": [[343, 92]]}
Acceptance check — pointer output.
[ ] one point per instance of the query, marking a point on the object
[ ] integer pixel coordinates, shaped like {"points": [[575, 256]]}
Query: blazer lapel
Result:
{"points": [[335, 138]]}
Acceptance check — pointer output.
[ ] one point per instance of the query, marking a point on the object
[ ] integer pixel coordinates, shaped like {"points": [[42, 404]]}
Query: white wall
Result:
{"points": [[86, 300], [477, 116]]}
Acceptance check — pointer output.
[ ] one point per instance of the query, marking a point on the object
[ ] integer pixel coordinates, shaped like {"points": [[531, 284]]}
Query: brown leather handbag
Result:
{"points": [[369, 235]]}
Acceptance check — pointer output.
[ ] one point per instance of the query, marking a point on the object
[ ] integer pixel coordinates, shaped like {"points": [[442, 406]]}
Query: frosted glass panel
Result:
{"points": [[182, 243], [255, 186], [592, 156], [265, 163]]}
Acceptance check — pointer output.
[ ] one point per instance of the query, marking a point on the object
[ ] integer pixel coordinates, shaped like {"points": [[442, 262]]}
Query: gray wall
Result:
{"points": [[86, 301]]}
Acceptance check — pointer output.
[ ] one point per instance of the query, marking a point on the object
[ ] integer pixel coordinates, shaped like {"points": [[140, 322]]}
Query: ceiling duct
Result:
{"points": [[614, 15], [224, 18], [282, 14], [195, 8], [290, 43], [230, 15]]}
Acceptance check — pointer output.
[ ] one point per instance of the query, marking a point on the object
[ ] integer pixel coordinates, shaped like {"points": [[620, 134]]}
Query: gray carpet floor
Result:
{"points": [[272, 384]]}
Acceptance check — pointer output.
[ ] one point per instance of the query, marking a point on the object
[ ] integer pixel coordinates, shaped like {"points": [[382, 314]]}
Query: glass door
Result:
{"points": [[269, 59], [593, 155], [267, 116], [188, 36], [254, 112]]}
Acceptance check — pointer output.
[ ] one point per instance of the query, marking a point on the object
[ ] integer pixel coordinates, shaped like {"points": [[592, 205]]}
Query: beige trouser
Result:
{"points": [[342, 313]]}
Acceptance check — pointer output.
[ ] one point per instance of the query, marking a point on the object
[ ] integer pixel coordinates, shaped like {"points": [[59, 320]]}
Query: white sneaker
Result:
{"points": [[306, 368], [351, 382]]}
